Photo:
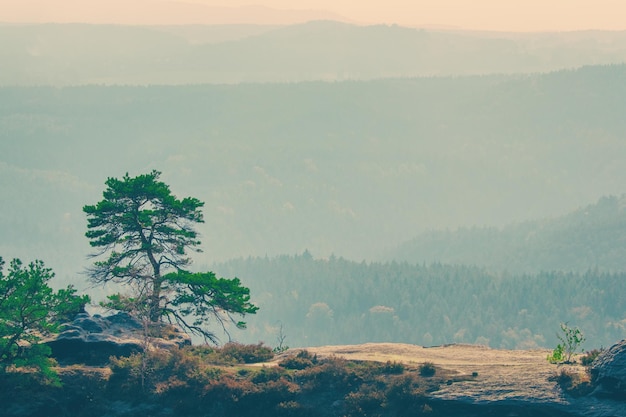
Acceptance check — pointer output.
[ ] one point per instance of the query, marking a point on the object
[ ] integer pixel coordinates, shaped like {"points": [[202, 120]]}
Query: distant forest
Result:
{"points": [[593, 237], [473, 174], [336, 301], [351, 168]]}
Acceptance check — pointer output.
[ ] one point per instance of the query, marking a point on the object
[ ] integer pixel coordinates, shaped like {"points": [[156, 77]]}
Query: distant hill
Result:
{"points": [[77, 54], [593, 237], [351, 168]]}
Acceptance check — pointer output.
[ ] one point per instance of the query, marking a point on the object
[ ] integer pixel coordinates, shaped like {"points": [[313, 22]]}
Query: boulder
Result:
{"points": [[91, 340], [609, 372]]}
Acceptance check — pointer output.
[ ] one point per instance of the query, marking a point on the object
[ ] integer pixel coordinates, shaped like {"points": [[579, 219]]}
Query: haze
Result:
{"points": [[401, 171], [492, 15]]}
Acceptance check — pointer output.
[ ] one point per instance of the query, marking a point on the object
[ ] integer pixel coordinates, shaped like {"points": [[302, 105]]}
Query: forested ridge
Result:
{"points": [[284, 167], [337, 301], [592, 237]]}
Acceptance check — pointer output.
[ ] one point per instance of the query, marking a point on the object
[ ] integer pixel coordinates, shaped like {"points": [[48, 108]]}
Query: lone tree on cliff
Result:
{"points": [[146, 232]]}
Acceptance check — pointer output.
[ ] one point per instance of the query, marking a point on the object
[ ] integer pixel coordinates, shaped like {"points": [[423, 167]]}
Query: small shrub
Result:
{"points": [[590, 356], [564, 378], [161, 370], [293, 408], [405, 392], [574, 383], [427, 369], [296, 363], [557, 355], [307, 355], [331, 371], [248, 353], [280, 349], [571, 339], [393, 368], [264, 375], [300, 361], [364, 402]]}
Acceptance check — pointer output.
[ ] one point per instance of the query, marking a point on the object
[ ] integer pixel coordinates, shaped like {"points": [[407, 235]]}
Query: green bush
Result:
{"points": [[571, 339], [557, 355]]}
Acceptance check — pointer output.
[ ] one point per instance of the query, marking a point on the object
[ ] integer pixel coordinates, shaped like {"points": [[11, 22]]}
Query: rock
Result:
{"points": [[609, 372], [91, 340], [507, 382]]}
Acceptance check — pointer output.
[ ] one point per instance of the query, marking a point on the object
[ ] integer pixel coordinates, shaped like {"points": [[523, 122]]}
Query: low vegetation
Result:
{"points": [[588, 357], [199, 381], [570, 341], [29, 310], [574, 381]]}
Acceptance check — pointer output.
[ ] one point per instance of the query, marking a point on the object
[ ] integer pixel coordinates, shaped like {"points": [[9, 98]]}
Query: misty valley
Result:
{"points": [[460, 188]]}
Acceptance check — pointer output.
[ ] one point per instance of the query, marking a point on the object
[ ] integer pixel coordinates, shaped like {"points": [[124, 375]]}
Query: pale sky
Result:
{"points": [[502, 15]]}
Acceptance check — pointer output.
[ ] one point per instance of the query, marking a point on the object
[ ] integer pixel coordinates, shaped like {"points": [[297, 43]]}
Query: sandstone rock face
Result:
{"points": [[91, 340], [609, 371]]}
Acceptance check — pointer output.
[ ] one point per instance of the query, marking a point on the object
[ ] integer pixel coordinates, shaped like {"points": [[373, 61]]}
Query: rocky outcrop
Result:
{"points": [[91, 340], [502, 382], [609, 372]]}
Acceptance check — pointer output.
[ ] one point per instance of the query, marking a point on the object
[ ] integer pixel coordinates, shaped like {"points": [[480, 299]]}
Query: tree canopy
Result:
{"points": [[29, 310], [146, 232]]}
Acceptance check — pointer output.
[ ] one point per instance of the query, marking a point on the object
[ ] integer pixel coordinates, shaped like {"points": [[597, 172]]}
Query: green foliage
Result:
{"points": [[571, 339], [30, 309], [557, 355], [452, 303], [146, 231], [121, 302], [204, 296]]}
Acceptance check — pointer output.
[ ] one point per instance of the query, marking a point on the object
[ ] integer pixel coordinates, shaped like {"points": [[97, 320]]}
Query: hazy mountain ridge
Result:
{"points": [[593, 237], [282, 167], [75, 54]]}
